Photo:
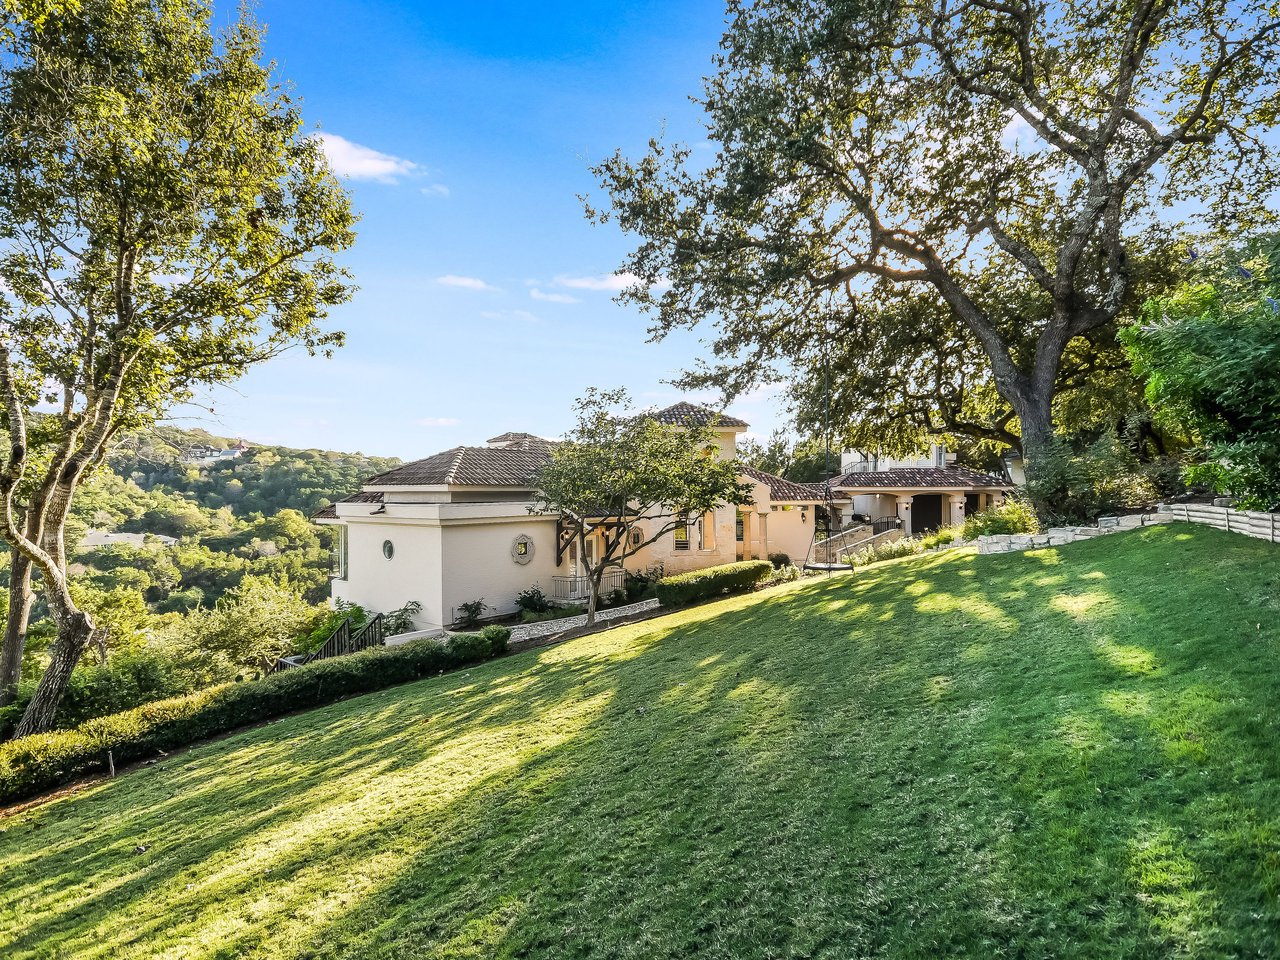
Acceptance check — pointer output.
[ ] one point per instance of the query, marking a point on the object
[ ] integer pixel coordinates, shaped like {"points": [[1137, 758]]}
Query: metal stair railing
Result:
{"points": [[340, 643]]}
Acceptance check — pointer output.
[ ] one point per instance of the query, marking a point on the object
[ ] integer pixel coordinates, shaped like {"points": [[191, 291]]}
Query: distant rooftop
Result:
{"points": [[469, 467], [686, 414]]}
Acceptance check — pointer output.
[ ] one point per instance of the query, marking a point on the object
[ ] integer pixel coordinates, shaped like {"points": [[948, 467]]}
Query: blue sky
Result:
{"points": [[466, 132]]}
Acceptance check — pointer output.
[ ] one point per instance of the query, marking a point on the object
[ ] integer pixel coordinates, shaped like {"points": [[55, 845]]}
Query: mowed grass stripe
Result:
{"points": [[1067, 753]]}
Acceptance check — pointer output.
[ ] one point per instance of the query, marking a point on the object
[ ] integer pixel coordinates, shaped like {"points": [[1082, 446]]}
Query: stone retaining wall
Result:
{"points": [[1250, 523]]}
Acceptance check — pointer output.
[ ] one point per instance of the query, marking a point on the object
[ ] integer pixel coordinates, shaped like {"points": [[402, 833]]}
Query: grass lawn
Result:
{"points": [[1066, 753]]}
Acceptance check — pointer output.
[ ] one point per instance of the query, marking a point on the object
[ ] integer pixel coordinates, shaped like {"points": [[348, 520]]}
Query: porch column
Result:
{"points": [[904, 512], [957, 508]]}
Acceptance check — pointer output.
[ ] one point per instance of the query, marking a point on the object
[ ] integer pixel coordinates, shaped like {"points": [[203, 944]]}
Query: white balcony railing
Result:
{"points": [[578, 589]]}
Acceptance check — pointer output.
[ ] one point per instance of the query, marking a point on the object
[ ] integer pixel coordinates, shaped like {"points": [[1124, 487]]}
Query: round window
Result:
{"points": [[388, 549]]}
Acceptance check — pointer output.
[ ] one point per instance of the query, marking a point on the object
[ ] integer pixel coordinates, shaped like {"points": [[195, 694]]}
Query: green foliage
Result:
{"points": [[1073, 485], [533, 600], [553, 613], [254, 624], [839, 733], [683, 588], [865, 226], [634, 472], [401, 619], [1012, 516], [940, 538], [888, 550], [31, 764], [330, 620], [470, 612], [497, 636], [265, 480], [1211, 355]]}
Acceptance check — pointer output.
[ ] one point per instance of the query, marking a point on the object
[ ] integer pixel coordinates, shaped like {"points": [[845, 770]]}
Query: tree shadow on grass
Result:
{"points": [[1043, 767]]}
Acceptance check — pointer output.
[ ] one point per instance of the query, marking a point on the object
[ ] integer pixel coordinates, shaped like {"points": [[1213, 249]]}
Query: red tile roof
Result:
{"points": [[783, 490], [331, 513], [924, 477], [684, 414], [469, 467]]}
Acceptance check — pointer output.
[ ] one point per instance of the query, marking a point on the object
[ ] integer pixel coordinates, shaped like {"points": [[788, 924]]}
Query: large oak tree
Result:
{"points": [[952, 203], [165, 222]]}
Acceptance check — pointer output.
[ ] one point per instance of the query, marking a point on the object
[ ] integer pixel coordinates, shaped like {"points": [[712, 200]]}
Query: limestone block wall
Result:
{"points": [[1250, 523]]}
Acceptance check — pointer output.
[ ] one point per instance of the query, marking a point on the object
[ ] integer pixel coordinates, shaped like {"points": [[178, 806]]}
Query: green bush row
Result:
{"points": [[1012, 516], [685, 588], [33, 764]]}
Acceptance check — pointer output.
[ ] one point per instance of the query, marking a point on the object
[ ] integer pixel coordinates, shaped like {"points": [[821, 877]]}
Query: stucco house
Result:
{"points": [[923, 492], [456, 527]]}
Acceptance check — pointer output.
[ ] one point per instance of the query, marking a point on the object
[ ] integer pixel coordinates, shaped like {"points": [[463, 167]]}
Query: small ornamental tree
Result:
{"points": [[165, 223], [631, 479]]}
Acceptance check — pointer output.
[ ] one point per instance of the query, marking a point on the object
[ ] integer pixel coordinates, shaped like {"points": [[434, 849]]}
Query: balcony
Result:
{"points": [[578, 589]]}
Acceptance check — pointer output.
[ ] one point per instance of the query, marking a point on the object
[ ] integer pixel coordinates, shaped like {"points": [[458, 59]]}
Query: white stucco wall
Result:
{"points": [[478, 564], [790, 532], [413, 572]]}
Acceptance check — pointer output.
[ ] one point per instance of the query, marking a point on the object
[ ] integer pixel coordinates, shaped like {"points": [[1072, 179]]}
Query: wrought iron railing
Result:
{"points": [[576, 589], [341, 642], [885, 523]]}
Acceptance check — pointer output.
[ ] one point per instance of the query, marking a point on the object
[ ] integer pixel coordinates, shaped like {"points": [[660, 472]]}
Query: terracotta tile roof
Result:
{"points": [[331, 513], [521, 441], [784, 490], [467, 466], [908, 477], [685, 414]]}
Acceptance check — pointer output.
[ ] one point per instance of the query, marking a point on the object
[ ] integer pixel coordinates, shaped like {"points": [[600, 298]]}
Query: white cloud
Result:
{"points": [[435, 190], [466, 283], [362, 163], [608, 281], [438, 422], [537, 294]]}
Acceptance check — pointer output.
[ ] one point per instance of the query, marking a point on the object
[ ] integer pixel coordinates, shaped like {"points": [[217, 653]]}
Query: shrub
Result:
{"points": [[554, 613], [712, 582], [1012, 516], [469, 613], [42, 761], [779, 560], [533, 600], [889, 550], [640, 585], [939, 538], [497, 637], [786, 573], [401, 619], [616, 598]]}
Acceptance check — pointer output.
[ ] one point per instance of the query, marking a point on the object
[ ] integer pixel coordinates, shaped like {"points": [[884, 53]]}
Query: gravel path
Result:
{"points": [[531, 631]]}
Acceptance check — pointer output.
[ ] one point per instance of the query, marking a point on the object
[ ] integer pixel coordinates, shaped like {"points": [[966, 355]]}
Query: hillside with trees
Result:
{"points": [[197, 571]]}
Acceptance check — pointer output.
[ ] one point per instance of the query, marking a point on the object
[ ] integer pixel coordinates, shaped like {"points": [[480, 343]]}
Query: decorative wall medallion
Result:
{"points": [[388, 549], [522, 549]]}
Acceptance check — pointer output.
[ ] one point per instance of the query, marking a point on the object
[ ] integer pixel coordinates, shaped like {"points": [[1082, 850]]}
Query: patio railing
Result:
{"points": [[578, 589]]}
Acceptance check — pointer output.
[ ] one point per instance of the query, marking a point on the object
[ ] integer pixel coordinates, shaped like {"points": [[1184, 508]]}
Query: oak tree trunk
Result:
{"points": [[21, 596], [75, 633]]}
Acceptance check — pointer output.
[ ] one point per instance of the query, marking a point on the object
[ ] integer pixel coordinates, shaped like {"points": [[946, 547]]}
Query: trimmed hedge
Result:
{"points": [[685, 588], [31, 765]]}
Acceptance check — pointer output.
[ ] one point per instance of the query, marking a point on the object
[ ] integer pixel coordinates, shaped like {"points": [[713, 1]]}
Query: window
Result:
{"points": [[338, 569], [739, 528], [388, 549], [681, 535], [939, 455], [707, 532], [637, 536]]}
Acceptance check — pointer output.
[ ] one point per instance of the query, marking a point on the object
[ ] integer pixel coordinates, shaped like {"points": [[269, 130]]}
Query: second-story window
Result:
{"points": [[681, 534]]}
